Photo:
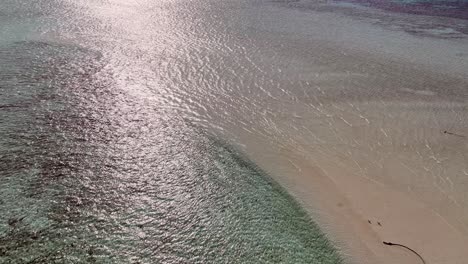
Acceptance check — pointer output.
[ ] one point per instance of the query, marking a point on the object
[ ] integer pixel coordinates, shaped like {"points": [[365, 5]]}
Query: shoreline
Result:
{"points": [[344, 112], [350, 156], [359, 214]]}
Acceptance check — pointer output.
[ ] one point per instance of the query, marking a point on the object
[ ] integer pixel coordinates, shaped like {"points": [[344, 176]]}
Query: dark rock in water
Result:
{"points": [[14, 221], [34, 236]]}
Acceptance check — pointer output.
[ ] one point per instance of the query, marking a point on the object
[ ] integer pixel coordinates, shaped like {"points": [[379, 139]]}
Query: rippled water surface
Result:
{"points": [[91, 173], [446, 8], [98, 165], [127, 129]]}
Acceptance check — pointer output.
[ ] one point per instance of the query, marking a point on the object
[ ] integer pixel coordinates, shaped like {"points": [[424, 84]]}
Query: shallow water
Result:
{"points": [[94, 175], [445, 8], [97, 168], [125, 127]]}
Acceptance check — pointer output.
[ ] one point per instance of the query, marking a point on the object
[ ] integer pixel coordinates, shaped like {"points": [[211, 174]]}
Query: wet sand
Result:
{"points": [[367, 154], [346, 110], [361, 214], [346, 107]]}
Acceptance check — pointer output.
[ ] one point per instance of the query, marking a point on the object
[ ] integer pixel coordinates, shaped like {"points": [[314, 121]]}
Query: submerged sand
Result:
{"points": [[346, 107], [361, 142]]}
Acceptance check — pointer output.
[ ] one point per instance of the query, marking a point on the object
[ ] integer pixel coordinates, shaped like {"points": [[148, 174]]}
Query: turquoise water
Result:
{"points": [[93, 173], [83, 197], [125, 127]]}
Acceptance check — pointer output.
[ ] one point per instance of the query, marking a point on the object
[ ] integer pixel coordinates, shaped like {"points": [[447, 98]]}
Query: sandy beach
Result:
{"points": [[373, 160], [122, 124], [360, 215]]}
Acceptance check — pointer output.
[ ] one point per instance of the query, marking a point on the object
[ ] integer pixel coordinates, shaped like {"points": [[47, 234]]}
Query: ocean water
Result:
{"points": [[91, 172], [444, 8], [135, 131], [129, 184]]}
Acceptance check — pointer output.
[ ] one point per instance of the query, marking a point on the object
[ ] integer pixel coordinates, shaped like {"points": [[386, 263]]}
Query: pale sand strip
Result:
{"points": [[343, 204], [399, 81]]}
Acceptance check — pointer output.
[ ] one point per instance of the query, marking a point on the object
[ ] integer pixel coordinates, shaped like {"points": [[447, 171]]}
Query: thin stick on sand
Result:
{"points": [[453, 134], [400, 245]]}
